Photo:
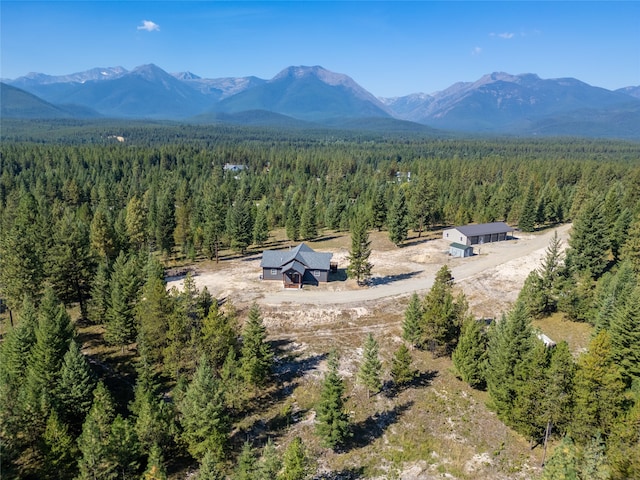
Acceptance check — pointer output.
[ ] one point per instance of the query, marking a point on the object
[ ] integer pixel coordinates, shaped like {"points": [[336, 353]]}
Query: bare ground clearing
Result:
{"points": [[491, 279]]}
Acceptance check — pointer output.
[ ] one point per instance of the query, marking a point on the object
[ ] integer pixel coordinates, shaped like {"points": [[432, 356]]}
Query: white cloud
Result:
{"points": [[149, 26], [503, 35], [476, 51]]}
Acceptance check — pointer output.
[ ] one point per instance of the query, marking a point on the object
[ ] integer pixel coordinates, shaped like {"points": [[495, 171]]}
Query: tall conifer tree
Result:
{"points": [[397, 221], [332, 420], [371, 366], [359, 265]]}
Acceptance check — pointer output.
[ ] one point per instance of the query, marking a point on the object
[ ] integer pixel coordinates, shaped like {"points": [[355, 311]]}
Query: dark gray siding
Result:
{"points": [[267, 275]]}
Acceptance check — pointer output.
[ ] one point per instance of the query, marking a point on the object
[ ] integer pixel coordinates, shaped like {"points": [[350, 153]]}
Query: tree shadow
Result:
{"points": [[374, 282], [325, 238], [372, 428], [415, 241], [353, 473], [420, 380], [340, 275]]}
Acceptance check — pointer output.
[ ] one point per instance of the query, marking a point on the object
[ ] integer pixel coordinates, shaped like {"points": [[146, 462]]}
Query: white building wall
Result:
{"points": [[453, 235]]}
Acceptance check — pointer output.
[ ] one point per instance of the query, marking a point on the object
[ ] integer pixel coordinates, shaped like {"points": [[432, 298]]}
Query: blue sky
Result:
{"points": [[390, 48]]}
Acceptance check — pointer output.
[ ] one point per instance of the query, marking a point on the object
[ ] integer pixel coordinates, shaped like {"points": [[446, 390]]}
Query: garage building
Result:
{"points": [[479, 233]]}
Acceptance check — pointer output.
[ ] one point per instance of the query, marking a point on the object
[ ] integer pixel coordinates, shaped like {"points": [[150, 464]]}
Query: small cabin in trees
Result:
{"points": [[296, 266], [479, 234], [459, 250]]}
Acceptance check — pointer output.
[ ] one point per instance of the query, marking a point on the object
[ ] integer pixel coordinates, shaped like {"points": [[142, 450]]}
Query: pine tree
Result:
{"points": [[182, 234], [557, 401], [527, 221], [136, 222], [528, 415], [125, 289], [402, 372], [100, 295], [509, 341], [53, 335], [75, 390], [270, 463], [94, 443], [256, 354], [219, 335], [469, 357], [332, 420], [359, 265], [292, 225], [371, 366], [588, 244], [120, 327], [261, 227], [246, 468], [240, 225], [625, 337], [60, 452], [151, 413], [541, 287], [203, 416], [16, 347], [165, 222], [70, 261], [379, 209], [630, 249], [308, 221], [422, 205], [397, 222], [598, 390], [412, 324], [210, 468], [124, 447], [22, 256], [152, 314], [562, 464], [102, 236], [296, 463], [442, 315], [215, 212], [593, 461], [155, 466]]}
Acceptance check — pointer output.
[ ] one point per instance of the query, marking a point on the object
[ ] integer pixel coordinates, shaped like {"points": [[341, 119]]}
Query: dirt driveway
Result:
{"points": [[491, 279]]}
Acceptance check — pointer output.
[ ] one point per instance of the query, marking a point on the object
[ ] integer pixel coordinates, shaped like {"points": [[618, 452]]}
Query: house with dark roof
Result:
{"points": [[479, 233], [296, 266]]}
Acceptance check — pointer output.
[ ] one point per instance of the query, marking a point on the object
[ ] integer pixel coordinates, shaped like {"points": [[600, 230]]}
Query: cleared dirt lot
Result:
{"points": [[491, 279]]}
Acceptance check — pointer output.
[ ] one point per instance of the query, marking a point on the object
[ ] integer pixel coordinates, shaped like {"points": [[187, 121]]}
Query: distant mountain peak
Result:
{"points": [[321, 73], [186, 76]]}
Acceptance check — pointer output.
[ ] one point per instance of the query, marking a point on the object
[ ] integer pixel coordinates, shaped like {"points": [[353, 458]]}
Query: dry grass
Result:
{"points": [[558, 328]]}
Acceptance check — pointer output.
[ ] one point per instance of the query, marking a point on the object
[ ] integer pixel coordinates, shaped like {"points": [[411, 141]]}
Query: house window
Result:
{"points": [[316, 273], [447, 235], [274, 271]]}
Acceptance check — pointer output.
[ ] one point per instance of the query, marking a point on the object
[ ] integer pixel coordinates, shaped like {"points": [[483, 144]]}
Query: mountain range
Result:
{"points": [[497, 103]]}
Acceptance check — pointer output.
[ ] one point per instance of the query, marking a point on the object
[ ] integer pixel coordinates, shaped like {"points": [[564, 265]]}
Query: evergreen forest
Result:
{"points": [[90, 226]]}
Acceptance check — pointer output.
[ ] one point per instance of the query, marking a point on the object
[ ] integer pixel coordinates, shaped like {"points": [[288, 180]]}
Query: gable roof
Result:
{"points": [[302, 254], [484, 229]]}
